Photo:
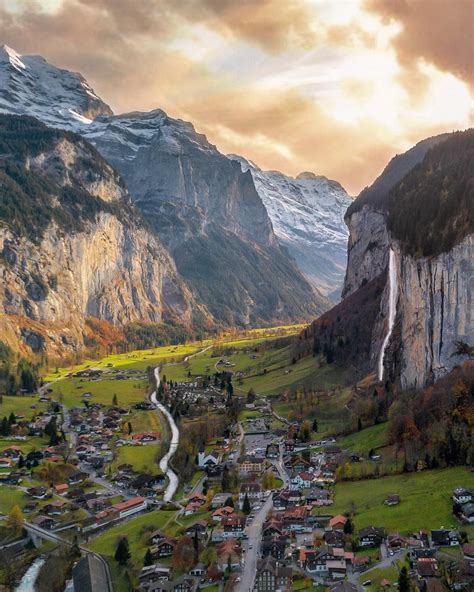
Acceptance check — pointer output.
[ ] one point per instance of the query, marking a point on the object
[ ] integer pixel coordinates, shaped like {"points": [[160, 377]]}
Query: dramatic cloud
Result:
{"points": [[332, 87], [439, 31]]}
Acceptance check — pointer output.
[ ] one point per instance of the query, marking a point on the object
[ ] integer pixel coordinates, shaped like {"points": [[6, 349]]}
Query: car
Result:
{"points": [[237, 579], [250, 546], [367, 583]]}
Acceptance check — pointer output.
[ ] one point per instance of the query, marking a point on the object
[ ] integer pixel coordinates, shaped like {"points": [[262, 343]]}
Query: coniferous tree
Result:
{"points": [[122, 553], [148, 560], [246, 508]]}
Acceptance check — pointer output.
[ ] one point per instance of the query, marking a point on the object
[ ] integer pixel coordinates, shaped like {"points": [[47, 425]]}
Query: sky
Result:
{"points": [[336, 87]]}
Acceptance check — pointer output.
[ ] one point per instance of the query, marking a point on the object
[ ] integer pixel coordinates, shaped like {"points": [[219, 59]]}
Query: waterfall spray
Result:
{"points": [[392, 308]]}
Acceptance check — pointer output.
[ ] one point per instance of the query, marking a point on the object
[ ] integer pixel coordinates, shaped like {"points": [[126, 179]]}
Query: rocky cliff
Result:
{"points": [[71, 243], [422, 209]]}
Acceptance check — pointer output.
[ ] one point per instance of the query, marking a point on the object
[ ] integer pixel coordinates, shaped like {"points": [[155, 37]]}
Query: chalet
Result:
{"points": [[198, 570], [392, 500], [468, 551], [371, 536], [220, 499], [191, 508], [155, 537], [5, 463], [272, 527], [272, 451], [145, 437], [445, 538], [252, 490], [233, 526], [274, 546], [338, 522], [61, 488], [198, 528], [56, 508], [164, 548], [462, 495], [299, 464], [207, 460], [427, 567], [251, 464], [271, 576], [229, 548], [360, 562], [129, 507], [12, 452], [301, 480], [221, 513], [197, 498], [467, 512], [77, 478], [39, 492], [295, 518], [319, 497], [281, 500], [44, 522], [289, 445], [153, 574], [334, 538]]}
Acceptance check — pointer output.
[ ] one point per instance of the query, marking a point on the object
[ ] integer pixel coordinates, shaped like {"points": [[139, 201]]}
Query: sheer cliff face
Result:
{"points": [[421, 208], [435, 310], [80, 251]]}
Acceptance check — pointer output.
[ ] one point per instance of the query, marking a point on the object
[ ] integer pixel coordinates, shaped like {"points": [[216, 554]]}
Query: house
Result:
{"points": [[252, 490], [131, 506], [39, 492], [44, 522], [164, 548], [233, 526], [198, 528], [5, 463], [251, 464], [153, 575], [338, 522], [61, 488], [12, 452], [197, 498], [462, 495], [145, 437], [295, 517], [220, 499], [392, 500], [427, 567], [334, 538], [301, 480], [208, 460], [272, 451], [222, 513], [319, 497], [198, 570], [468, 551], [229, 552], [271, 576], [272, 527], [360, 562], [274, 546], [56, 508], [445, 537], [371, 536], [90, 574], [467, 512], [156, 537]]}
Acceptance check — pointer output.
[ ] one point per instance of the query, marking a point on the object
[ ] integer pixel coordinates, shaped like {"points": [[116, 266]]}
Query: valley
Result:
{"points": [[270, 457]]}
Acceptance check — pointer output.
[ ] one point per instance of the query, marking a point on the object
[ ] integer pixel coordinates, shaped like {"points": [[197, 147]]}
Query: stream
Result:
{"points": [[27, 583], [173, 480]]}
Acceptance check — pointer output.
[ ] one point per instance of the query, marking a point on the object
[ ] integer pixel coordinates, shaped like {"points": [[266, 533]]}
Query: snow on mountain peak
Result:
{"points": [[29, 85], [307, 213]]}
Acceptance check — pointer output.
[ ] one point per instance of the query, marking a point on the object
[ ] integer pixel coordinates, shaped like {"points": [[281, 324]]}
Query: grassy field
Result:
{"points": [[363, 441], [425, 500], [136, 530], [377, 575], [70, 391], [142, 458], [22, 405]]}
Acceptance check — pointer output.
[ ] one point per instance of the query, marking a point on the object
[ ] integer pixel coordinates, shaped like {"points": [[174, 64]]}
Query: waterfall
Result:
{"points": [[27, 583], [392, 308]]}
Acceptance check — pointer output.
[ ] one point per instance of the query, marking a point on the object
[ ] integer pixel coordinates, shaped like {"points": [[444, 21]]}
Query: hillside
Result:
{"points": [[72, 244]]}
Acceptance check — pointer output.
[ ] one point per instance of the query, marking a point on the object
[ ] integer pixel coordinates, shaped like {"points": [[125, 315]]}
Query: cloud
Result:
{"points": [[293, 85], [438, 31]]}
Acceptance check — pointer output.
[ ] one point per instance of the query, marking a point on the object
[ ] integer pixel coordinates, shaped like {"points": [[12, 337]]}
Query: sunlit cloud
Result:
{"points": [[333, 86]]}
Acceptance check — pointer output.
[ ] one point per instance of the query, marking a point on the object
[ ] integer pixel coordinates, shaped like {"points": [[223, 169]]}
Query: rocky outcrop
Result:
{"points": [[435, 310], [104, 264]]}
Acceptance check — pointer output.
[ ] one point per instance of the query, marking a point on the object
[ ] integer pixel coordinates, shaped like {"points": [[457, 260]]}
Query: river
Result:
{"points": [[27, 583], [173, 480]]}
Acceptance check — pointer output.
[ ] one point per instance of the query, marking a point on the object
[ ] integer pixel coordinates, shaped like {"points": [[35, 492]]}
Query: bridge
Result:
{"points": [[38, 535]]}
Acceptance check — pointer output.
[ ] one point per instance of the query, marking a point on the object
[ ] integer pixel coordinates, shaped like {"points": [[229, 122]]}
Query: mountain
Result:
{"points": [[407, 304], [72, 245], [204, 209], [307, 214]]}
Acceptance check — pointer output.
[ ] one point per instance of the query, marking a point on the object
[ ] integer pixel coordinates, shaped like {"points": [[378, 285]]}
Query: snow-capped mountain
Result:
{"points": [[203, 207], [307, 213], [59, 98]]}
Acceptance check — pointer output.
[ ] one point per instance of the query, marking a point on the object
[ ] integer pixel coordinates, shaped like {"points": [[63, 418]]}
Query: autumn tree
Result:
{"points": [[15, 519], [183, 556]]}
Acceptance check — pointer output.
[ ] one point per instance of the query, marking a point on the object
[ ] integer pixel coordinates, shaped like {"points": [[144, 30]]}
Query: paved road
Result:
{"points": [[254, 532], [388, 561]]}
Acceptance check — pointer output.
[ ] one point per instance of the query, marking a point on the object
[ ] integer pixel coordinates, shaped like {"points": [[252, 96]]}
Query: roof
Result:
{"points": [[135, 501], [339, 519], [89, 574]]}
